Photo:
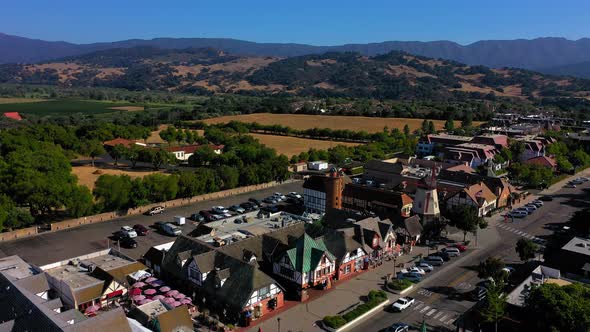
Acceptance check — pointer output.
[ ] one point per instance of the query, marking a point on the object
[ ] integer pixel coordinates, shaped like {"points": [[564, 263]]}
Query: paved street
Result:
{"points": [[52, 247], [436, 297]]}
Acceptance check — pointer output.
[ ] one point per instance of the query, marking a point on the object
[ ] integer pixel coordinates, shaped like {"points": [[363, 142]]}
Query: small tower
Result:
{"points": [[426, 199]]}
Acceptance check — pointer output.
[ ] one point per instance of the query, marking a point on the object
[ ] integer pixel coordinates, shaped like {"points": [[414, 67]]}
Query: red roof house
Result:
{"points": [[543, 161], [13, 115]]}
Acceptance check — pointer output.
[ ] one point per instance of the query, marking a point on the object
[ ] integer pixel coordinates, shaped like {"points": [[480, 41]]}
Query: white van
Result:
{"points": [[452, 252]]}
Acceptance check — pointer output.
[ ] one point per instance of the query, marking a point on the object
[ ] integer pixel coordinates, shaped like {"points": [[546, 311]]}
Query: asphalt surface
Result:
{"points": [[443, 295], [53, 247]]}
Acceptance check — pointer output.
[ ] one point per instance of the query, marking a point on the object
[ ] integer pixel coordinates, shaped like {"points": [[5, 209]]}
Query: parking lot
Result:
{"points": [[51, 247]]}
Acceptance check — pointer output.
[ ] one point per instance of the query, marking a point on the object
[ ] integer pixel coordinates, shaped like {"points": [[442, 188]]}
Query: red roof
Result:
{"points": [[119, 141], [13, 115], [543, 161]]}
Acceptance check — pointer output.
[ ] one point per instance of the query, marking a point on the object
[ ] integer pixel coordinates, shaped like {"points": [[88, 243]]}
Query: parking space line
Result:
{"points": [[438, 315], [450, 321], [442, 319], [418, 306], [431, 312], [424, 309]]}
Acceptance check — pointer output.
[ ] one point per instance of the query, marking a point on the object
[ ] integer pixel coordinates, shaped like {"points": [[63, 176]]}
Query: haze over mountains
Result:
{"points": [[551, 55]]}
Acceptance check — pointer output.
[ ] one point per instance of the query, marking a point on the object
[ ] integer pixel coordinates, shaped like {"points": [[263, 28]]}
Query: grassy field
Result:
{"points": [[87, 177], [20, 100], [290, 146], [62, 107], [303, 121]]}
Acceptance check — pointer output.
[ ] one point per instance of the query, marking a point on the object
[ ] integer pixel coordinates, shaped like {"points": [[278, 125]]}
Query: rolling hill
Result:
{"points": [[521, 53], [202, 71]]}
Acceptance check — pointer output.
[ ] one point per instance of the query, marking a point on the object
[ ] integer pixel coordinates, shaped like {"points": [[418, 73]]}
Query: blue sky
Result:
{"points": [[318, 22]]}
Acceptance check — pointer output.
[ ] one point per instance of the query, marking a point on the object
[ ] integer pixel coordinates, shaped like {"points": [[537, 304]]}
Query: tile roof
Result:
{"points": [[306, 254], [477, 191], [119, 141], [413, 225], [112, 320], [542, 160], [339, 243], [13, 115]]}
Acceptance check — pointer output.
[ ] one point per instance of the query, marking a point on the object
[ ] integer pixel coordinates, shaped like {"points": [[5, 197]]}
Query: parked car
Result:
{"points": [[118, 236], [156, 210], [128, 231], [425, 266], [207, 215], [255, 201], [398, 327], [159, 225], [248, 206], [523, 209], [238, 209], [459, 246], [508, 269], [444, 255], [128, 242], [486, 283], [217, 216], [411, 276], [451, 251], [434, 260], [570, 185], [170, 229], [141, 230], [517, 213], [402, 303], [531, 206], [280, 196], [219, 209], [294, 194], [417, 270], [197, 217], [179, 220], [270, 200], [537, 203]]}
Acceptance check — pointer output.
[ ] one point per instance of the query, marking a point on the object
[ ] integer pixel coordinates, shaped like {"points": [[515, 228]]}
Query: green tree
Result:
{"points": [[113, 191], [551, 308], [526, 249], [466, 218], [407, 131], [229, 177], [449, 124], [491, 267], [93, 149], [431, 128], [563, 164], [203, 156], [189, 184], [494, 307], [161, 187], [133, 154], [79, 202], [467, 120], [516, 148], [117, 152], [161, 157]]}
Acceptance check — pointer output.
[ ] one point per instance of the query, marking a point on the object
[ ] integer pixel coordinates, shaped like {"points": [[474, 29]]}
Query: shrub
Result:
{"points": [[399, 284], [377, 295], [334, 321]]}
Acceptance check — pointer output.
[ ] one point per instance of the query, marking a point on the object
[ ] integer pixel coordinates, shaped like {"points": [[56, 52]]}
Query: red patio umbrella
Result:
{"points": [[169, 300], [92, 309], [144, 301], [164, 289], [150, 279], [176, 304], [158, 297], [172, 292], [186, 300], [138, 298], [179, 296], [135, 291], [150, 291]]}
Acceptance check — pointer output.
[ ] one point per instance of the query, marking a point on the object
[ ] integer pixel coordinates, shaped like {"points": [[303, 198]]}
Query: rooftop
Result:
{"points": [[578, 245], [15, 267], [540, 275]]}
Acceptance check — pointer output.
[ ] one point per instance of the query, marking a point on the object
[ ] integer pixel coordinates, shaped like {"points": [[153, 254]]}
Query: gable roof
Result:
{"points": [[118, 274], [542, 160], [112, 320], [476, 192], [13, 115], [413, 225], [306, 254], [35, 284], [339, 243], [119, 141]]}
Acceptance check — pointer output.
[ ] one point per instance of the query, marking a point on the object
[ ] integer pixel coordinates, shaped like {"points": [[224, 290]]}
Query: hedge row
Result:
{"points": [[399, 284], [374, 299]]}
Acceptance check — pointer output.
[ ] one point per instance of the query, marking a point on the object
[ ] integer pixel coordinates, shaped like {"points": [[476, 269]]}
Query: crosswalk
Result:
{"points": [[431, 313], [519, 232]]}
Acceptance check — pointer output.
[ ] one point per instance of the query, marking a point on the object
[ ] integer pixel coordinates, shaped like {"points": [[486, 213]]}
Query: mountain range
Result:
{"points": [[541, 54], [205, 71]]}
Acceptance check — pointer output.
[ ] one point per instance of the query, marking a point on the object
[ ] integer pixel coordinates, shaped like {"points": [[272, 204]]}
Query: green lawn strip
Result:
{"points": [[374, 299]]}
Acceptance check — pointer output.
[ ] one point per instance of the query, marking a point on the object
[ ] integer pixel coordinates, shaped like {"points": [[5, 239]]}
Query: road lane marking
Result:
{"points": [[450, 321], [438, 315], [431, 312], [442, 319], [424, 309], [418, 306]]}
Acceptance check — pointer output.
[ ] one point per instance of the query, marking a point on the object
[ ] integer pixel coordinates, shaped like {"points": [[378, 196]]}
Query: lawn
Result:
{"points": [[20, 100], [290, 146], [62, 107], [355, 123], [87, 177]]}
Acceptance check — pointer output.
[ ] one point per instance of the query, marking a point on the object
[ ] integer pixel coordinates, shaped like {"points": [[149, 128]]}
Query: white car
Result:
{"points": [[417, 270], [129, 232], [425, 266], [219, 210], [294, 195], [508, 269], [402, 303]]}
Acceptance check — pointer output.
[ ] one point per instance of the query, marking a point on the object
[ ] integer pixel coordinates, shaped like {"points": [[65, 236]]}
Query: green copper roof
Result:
{"points": [[307, 253]]}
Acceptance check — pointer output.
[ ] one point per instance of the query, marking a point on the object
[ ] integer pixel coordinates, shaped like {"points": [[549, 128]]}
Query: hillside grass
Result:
{"points": [[62, 107]]}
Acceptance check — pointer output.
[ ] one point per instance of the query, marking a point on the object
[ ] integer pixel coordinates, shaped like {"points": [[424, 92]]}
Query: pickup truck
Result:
{"points": [[402, 303]]}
